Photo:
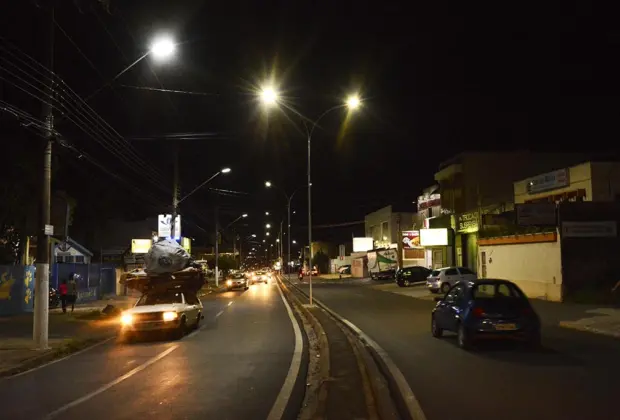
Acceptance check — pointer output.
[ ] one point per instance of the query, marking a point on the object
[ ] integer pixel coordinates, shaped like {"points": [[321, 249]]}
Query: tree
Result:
{"points": [[321, 260]]}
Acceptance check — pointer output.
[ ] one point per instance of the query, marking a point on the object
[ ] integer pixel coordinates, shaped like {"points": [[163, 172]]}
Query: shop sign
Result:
{"points": [[427, 201], [536, 214], [411, 239], [467, 222], [549, 181], [434, 237], [607, 229]]}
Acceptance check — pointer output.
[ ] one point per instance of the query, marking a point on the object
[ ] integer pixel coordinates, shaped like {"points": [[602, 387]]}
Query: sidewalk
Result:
{"points": [[122, 302], [67, 333]]}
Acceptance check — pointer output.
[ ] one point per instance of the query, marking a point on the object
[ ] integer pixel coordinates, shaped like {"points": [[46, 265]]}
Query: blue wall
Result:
{"points": [[16, 289], [17, 284]]}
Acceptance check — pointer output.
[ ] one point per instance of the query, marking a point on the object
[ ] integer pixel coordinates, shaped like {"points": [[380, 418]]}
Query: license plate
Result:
{"points": [[506, 327]]}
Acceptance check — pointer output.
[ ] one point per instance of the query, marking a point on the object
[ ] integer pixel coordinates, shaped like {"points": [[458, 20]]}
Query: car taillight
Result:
{"points": [[526, 311], [477, 312]]}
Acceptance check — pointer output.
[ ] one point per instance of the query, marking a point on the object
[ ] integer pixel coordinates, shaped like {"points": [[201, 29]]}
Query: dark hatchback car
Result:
{"points": [[383, 275], [407, 276], [486, 309]]}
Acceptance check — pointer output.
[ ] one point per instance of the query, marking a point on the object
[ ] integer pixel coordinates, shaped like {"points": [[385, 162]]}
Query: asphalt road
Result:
{"points": [[576, 376], [234, 367]]}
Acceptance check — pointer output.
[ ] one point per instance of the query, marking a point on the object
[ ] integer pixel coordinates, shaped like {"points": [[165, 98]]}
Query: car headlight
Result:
{"points": [[229, 283], [126, 319], [170, 316]]}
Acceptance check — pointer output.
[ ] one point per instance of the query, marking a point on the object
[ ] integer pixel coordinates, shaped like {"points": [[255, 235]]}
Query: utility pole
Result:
{"points": [[217, 251], [175, 192], [235, 248], [288, 240], [40, 327]]}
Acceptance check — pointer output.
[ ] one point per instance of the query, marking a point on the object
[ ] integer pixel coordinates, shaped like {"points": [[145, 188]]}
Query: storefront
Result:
{"points": [[438, 246], [467, 225], [413, 251]]}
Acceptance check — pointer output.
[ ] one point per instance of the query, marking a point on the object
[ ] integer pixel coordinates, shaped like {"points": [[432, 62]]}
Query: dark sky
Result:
{"points": [[436, 78]]}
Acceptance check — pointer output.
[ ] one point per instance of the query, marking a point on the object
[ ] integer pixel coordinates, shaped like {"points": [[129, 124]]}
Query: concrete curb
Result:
{"points": [[406, 402], [586, 328], [312, 408], [53, 356]]}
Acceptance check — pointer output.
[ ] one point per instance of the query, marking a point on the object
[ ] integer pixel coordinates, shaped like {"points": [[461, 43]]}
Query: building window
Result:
{"points": [[385, 232], [79, 259]]}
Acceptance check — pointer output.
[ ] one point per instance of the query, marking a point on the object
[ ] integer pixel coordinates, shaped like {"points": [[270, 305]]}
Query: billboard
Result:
{"points": [[163, 226], [434, 237], [140, 246], [410, 239], [362, 244]]}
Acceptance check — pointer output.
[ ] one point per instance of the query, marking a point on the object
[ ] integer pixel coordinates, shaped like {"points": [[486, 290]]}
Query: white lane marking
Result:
{"points": [[59, 360], [277, 411], [193, 333], [229, 303], [111, 384]]}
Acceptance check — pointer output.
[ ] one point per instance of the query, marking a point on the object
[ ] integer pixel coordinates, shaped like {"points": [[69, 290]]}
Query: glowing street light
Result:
{"points": [[225, 170], [244, 215], [254, 235], [353, 102], [162, 48], [277, 240], [294, 241], [268, 226], [266, 213], [269, 96], [267, 234], [268, 184]]}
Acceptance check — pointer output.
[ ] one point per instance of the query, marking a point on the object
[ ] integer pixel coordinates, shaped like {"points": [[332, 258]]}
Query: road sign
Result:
{"points": [[49, 230], [163, 226]]}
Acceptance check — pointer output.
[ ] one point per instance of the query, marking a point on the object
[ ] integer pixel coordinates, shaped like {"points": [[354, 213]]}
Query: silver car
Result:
{"points": [[442, 279]]}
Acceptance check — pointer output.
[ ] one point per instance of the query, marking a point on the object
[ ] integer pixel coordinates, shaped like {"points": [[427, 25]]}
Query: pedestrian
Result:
{"points": [[72, 291], [62, 289]]}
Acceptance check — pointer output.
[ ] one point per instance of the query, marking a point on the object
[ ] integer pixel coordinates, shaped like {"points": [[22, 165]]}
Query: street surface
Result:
{"points": [[576, 376], [235, 367]]}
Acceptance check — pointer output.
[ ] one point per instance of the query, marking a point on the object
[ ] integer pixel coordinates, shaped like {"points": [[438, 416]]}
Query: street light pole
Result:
{"points": [[175, 193]]}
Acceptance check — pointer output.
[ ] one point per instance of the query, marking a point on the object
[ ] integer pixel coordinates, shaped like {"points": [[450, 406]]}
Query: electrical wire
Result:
{"points": [[105, 128]]}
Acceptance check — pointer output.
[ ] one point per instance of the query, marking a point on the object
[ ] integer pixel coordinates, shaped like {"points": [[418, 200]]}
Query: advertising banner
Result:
{"points": [[411, 239]]}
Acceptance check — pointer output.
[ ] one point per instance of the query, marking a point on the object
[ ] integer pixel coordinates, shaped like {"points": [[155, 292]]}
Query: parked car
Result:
{"points": [[383, 275], [237, 281], [163, 310], [443, 279], [344, 269], [486, 309], [406, 276]]}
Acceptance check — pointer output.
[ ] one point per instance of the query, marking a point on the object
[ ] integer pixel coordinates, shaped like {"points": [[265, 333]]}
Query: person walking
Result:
{"points": [[62, 289], [72, 291]]}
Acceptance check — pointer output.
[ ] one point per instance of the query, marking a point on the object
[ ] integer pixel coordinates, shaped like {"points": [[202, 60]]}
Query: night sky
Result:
{"points": [[436, 79]]}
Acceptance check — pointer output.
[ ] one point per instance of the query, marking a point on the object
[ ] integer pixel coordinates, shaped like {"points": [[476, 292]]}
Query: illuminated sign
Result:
{"points": [[467, 222], [427, 201], [411, 239], [434, 237], [549, 181], [186, 243], [362, 244], [140, 246]]}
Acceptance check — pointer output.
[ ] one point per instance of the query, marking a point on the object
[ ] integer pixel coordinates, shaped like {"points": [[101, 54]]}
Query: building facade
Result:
{"points": [[589, 181], [478, 183]]}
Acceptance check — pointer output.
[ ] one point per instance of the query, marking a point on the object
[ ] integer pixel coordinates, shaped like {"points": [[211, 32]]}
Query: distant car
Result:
{"points": [[237, 281], [406, 276], [344, 269], [166, 310], [260, 277], [442, 279], [486, 309], [383, 275]]}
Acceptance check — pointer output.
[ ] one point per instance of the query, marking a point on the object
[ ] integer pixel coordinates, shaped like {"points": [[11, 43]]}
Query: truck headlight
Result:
{"points": [[170, 316], [229, 283], [126, 319]]}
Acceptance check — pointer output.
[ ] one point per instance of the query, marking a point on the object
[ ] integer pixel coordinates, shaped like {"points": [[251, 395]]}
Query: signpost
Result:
{"points": [[163, 226]]}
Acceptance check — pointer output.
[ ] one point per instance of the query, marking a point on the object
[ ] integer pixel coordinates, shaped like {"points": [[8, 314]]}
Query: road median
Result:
{"points": [[350, 383]]}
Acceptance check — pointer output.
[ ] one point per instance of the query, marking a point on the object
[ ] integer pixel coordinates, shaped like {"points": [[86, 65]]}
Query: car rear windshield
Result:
{"points": [[435, 273], [496, 290], [160, 298]]}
